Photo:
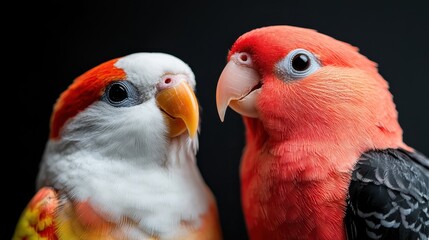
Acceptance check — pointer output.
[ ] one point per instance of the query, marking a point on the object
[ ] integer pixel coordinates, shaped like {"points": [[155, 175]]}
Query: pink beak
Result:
{"points": [[236, 87]]}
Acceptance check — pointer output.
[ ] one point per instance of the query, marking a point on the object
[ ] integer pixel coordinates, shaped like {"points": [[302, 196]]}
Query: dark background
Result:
{"points": [[49, 44]]}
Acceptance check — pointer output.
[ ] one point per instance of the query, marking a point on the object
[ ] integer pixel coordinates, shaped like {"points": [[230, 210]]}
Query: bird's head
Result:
{"points": [[299, 83], [128, 105]]}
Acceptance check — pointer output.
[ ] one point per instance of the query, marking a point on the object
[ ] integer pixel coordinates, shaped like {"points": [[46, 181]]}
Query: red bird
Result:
{"points": [[324, 155]]}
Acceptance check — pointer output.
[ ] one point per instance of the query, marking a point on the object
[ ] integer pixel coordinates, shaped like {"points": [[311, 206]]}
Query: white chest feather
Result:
{"points": [[157, 197]]}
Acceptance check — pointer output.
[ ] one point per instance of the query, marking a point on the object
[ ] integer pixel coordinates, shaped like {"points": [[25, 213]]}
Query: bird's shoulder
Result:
{"points": [[388, 196], [37, 220]]}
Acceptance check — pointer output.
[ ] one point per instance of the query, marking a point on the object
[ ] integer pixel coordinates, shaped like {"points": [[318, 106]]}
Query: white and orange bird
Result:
{"points": [[120, 162]]}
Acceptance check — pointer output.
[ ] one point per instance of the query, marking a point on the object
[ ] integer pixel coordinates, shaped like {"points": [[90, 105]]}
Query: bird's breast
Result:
{"points": [[291, 198]]}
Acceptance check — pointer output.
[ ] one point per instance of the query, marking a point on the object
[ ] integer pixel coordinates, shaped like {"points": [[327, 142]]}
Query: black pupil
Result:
{"points": [[117, 93], [300, 62]]}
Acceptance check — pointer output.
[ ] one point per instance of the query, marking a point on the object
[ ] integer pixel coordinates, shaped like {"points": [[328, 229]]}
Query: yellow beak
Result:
{"points": [[180, 108]]}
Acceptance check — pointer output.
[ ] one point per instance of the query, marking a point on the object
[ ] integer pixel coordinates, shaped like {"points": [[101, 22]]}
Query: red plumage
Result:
{"points": [[309, 132]]}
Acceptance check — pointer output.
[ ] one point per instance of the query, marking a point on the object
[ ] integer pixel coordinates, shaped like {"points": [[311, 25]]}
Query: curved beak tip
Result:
{"points": [[235, 89], [192, 129], [221, 110]]}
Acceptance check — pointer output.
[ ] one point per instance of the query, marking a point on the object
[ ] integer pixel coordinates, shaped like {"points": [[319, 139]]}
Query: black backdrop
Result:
{"points": [[53, 42]]}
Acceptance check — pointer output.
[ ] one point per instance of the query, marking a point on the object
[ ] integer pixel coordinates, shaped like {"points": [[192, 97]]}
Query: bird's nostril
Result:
{"points": [[243, 57], [171, 80]]}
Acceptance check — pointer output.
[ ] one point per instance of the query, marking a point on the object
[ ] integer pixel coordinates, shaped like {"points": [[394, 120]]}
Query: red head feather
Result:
{"points": [[85, 90], [345, 97]]}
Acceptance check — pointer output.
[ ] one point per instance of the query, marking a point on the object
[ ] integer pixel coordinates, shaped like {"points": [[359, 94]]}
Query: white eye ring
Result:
{"points": [[298, 64]]}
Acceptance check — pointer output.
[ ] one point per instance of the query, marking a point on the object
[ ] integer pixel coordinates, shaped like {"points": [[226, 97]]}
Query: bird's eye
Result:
{"points": [[121, 94], [117, 93], [298, 64]]}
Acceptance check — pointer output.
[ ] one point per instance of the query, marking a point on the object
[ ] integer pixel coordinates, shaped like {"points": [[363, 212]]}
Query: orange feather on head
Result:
{"points": [[81, 94]]}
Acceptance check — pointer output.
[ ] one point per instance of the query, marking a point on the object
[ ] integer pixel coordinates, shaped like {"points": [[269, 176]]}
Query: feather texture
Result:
{"points": [[389, 196], [317, 107], [112, 162]]}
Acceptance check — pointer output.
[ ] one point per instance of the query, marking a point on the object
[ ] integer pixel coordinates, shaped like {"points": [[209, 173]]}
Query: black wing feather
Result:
{"points": [[388, 196]]}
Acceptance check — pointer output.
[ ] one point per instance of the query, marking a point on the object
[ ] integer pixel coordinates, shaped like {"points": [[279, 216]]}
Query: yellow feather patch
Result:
{"points": [[37, 219]]}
